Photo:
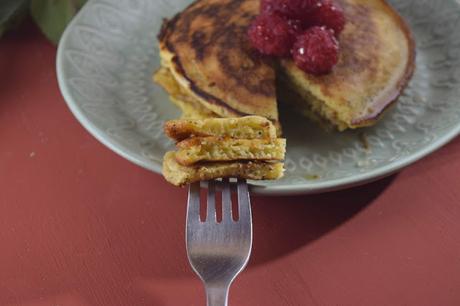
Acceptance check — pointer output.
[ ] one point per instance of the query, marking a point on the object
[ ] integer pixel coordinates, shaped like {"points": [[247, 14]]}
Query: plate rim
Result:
{"points": [[280, 190]]}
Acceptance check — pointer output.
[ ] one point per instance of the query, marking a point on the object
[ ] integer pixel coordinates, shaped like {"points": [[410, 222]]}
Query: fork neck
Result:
{"points": [[217, 295]]}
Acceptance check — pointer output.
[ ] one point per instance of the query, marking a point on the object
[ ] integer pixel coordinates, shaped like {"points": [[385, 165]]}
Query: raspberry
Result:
{"points": [[316, 51], [329, 15], [293, 9], [296, 26], [267, 7], [271, 34]]}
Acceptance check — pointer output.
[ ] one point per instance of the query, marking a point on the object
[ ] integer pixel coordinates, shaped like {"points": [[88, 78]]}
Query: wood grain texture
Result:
{"points": [[80, 226]]}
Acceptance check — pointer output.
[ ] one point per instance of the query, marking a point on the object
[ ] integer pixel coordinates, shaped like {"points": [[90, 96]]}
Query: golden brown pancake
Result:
{"points": [[249, 127], [207, 51], [190, 107], [217, 149], [376, 62], [180, 175], [244, 147]]}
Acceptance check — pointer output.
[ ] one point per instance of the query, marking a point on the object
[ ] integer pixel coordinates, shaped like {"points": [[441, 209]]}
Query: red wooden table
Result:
{"points": [[79, 225]]}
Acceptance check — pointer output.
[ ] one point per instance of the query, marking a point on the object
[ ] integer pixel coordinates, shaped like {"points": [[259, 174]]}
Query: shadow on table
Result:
{"points": [[284, 224], [129, 249]]}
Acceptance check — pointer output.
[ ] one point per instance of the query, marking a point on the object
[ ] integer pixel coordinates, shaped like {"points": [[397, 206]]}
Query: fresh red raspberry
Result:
{"points": [[271, 34], [292, 9], [316, 51], [296, 26], [329, 15], [267, 7]]}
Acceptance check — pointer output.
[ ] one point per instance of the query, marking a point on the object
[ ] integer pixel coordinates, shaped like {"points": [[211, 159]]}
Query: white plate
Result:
{"points": [[108, 54]]}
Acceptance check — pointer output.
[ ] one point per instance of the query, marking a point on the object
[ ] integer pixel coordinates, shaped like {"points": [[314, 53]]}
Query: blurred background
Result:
{"points": [[51, 16]]}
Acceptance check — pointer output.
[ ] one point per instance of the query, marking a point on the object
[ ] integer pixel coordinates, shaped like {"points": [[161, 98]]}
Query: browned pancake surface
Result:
{"points": [[211, 50], [376, 62]]}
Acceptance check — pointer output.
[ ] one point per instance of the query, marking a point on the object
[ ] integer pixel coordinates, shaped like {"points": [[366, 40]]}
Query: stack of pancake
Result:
{"points": [[245, 147], [210, 71]]}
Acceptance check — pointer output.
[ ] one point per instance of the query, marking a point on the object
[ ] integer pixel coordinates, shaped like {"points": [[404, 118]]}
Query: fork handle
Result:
{"points": [[217, 296]]}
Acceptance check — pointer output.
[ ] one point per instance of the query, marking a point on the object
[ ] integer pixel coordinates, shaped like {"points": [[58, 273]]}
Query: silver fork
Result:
{"points": [[218, 252]]}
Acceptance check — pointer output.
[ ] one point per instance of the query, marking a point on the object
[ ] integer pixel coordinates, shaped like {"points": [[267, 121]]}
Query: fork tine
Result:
{"points": [[219, 252], [193, 203], [244, 203], [226, 201], [211, 202]]}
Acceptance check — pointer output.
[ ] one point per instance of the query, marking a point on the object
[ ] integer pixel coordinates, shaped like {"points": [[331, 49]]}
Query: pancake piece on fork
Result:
{"points": [[245, 147], [180, 175]]}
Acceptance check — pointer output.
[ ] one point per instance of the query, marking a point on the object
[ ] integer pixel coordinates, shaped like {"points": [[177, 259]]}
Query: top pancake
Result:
{"points": [[376, 62], [207, 49]]}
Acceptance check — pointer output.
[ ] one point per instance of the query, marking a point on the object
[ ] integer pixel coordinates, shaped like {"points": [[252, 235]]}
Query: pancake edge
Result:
{"points": [[384, 105]]}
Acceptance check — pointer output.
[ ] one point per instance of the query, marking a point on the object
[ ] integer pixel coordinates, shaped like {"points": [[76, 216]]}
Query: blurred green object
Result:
{"points": [[10, 12], [51, 16]]}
